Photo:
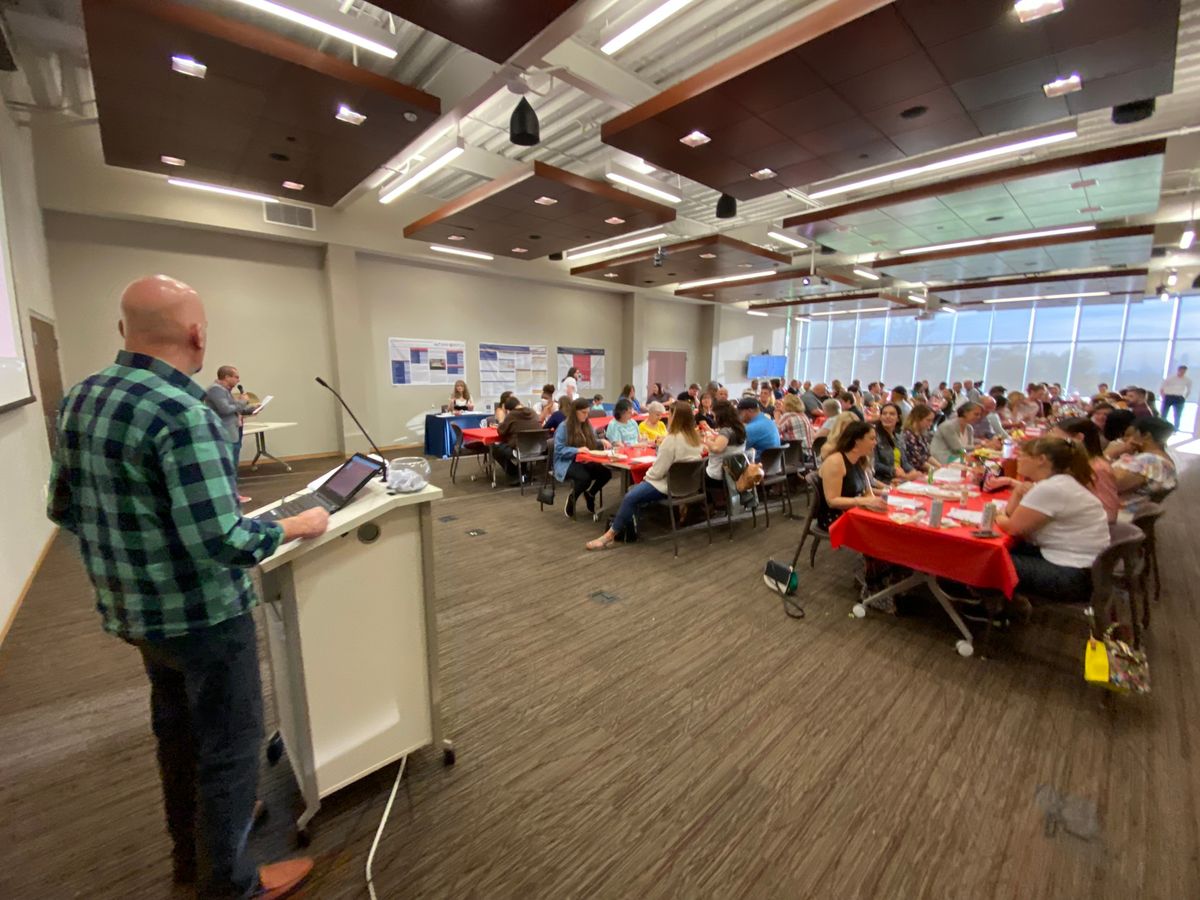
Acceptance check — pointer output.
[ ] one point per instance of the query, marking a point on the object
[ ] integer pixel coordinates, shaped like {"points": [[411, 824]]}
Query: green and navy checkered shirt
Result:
{"points": [[144, 475]]}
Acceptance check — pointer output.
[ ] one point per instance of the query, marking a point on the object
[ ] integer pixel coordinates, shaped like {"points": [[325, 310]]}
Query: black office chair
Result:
{"points": [[774, 473], [531, 449], [1145, 521], [466, 449], [811, 528], [685, 485]]}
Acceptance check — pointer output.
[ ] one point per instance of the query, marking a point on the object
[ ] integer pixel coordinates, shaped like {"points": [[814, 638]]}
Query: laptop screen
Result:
{"points": [[346, 481]]}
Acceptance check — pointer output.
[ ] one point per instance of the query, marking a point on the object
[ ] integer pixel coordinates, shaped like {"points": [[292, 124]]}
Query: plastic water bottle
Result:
{"points": [[1007, 449], [935, 513]]}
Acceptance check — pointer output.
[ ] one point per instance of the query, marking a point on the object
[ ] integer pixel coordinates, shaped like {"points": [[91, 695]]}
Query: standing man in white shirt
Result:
{"points": [[1174, 392]]}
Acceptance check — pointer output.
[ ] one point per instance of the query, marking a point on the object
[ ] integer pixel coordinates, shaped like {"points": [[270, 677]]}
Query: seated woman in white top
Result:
{"points": [[681, 444], [570, 384], [1061, 523], [460, 399], [728, 438]]}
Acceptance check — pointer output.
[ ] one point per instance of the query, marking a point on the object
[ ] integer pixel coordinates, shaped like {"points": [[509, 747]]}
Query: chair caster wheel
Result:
{"points": [[965, 648], [472, 477], [275, 748], [448, 757], [303, 837], [860, 611]]}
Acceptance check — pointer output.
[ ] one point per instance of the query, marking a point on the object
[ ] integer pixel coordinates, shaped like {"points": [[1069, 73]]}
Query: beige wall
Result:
{"points": [[24, 528], [266, 305], [676, 326], [740, 336], [409, 301]]}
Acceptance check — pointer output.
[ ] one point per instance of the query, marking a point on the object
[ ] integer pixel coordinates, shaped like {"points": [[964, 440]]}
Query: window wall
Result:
{"points": [[1079, 345]]}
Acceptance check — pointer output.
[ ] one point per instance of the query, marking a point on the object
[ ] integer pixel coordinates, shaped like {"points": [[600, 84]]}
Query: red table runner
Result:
{"points": [[637, 470], [945, 552]]}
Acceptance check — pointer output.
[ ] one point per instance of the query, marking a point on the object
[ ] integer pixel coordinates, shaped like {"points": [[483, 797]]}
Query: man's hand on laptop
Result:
{"points": [[309, 524]]}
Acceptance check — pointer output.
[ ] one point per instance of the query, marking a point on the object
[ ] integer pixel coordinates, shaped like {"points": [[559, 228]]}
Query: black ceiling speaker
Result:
{"points": [[1134, 111], [726, 207], [523, 127], [8, 62], [556, 256]]}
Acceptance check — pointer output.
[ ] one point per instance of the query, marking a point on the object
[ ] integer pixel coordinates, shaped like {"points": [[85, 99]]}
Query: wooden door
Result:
{"points": [[669, 367], [50, 386]]}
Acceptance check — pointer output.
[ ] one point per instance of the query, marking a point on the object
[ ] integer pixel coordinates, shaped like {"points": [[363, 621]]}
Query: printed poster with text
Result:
{"points": [[511, 367], [415, 361], [590, 363]]}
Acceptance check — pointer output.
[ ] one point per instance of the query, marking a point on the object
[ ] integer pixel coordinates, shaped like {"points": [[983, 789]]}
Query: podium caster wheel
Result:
{"points": [[275, 748], [965, 648], [448, 757], [303, 837], [860, 611]]}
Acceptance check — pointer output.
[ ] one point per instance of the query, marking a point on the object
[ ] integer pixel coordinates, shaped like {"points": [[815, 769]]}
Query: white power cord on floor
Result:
{"points": [[387, 811]]}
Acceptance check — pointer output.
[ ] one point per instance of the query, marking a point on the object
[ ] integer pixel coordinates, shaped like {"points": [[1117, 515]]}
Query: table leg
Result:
{"points": [[965, 647], [260, 450]]}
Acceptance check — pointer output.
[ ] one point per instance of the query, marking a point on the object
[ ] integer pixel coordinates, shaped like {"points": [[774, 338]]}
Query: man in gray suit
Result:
{"points": [[229, 409]]}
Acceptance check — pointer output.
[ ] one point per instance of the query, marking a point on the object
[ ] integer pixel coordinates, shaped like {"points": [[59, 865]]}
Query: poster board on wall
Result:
{"points": [[522, 369], [416, 361], [590, 363]]}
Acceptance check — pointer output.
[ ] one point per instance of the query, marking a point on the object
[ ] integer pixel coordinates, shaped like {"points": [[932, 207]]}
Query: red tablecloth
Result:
{"points": [[481, 435], [637, 470], [946, 552]]}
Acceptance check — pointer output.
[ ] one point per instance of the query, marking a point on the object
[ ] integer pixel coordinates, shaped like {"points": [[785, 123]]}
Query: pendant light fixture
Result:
{"points": [[523, 127], [726, 207]]}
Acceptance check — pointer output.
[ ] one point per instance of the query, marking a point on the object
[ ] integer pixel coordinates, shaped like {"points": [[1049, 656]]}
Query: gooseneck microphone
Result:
{"points": [[323, 383]]}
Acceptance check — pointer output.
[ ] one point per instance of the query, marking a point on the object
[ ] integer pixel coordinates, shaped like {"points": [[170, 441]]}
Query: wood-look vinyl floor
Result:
{"points": [[684, 740]]}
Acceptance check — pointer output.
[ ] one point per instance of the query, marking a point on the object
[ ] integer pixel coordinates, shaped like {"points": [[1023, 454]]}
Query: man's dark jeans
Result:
{"points": [[206, 712]]}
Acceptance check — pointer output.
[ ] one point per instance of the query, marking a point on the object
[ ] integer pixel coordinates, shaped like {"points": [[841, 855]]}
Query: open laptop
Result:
{"points": [[335, 491]]}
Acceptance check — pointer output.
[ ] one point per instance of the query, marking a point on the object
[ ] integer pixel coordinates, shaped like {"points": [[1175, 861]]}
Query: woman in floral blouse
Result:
{"points": [[916, 438], [1141, 463]]}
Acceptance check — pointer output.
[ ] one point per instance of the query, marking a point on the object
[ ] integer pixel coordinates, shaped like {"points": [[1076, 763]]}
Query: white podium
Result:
{"points": [[352, 639]]}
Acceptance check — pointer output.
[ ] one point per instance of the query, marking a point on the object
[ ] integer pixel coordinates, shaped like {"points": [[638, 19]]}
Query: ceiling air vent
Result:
{"points": [[291, 215]]}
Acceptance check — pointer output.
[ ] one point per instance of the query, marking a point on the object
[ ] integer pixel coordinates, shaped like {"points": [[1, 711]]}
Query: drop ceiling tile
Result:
{"points": [[1020, 112], [894, 83], [937, 136], [1038, 184], [866, 217]]}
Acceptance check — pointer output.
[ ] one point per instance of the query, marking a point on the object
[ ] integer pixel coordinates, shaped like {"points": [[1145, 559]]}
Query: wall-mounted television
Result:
{"points": [[763, 365]]}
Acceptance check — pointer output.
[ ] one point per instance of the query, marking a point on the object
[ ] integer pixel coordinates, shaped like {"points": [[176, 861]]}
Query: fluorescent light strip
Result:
{"points": [[643, 188], [865, 273], [1187, 238], [218, 189], [299, 18], [788, 239], [642, 25], [754, 312], [622, 245], [704, 282], [1032, 10], [574, 250], [1049, 297], [409, 181], [850, 312], [1002, 239], [951, 310], [953, 161], [455, 251]]}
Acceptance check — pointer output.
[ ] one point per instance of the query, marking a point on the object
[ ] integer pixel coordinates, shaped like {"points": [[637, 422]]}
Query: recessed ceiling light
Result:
{"points": [[763, 174], [300, 18], [614, 220], [977, 156], [545, 201], [1091, 209], [293, 185], [346, 114], [705, 282], [708, 256], [866, 273], [456, 237], [220, 189], [1000, 239], [642, 25], [1188, 237], [593, 250], [1172, 279], [1031, 10], [520, 249], [1083, 185], [173, 161], [406, 182], [611, 275], [636, 185], [185, 65], [1049, 297], [457, 251], [787, 239], [1067, 84], [695, 139]]}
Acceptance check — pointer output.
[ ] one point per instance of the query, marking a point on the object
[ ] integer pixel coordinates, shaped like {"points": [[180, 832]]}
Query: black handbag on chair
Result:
{"points": [[545, 494]]}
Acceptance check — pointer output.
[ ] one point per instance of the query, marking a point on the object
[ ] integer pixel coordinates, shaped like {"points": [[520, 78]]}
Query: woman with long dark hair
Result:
{"points": [[1104, 483], [570, 384], [891, 456], [1061, 524], [681, 444], [728, 438], [846, 475], [587, 478], [627, 394]]}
